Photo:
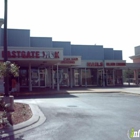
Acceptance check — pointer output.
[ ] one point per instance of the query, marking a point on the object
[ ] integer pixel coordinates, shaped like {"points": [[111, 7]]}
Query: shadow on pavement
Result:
{"points": [[12, 137], [41, 96]]}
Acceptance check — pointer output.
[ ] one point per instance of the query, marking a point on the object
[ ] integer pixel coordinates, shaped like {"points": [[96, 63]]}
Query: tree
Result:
{"points": [[6, 69], [127, 74]]}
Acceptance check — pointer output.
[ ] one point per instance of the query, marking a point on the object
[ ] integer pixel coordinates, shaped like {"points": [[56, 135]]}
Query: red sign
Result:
{"points": [[68, 62], [116, 64], [75, 59], [31, 54], [97, 64]]}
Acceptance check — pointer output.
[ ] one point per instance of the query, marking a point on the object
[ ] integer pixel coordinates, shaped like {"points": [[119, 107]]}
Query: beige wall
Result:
{"points": [[136, 60]]}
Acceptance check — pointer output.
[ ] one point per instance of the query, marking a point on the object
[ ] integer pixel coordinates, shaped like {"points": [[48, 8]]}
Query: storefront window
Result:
{"points": [[35, 77], [23, 77], [83, 76], [63, 77], [76, 77], [100, 77], [89, 76], [42, 76], [118, 77], [109, 77]]}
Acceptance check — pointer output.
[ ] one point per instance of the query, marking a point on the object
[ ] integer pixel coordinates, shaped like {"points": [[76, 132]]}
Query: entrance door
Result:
{"points": [[42, 77], [35, 77], [109, 77], [76, 77], [38, 77], [100, 77]]}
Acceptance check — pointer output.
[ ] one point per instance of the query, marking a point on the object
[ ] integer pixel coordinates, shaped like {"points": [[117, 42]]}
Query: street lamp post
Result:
{"points": [[6, 81]]}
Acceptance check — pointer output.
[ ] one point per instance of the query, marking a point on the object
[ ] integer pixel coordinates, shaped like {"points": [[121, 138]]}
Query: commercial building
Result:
{"points": [[136, 64], [55, 64]]}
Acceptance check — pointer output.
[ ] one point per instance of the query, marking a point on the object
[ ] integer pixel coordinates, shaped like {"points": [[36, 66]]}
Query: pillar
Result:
{"points": [[57, 79], [137, 82], [52, 78], [85, 78], [103, 77], [30, 79], [138, 75], [71, 78], [80, 73], [113, 77]]}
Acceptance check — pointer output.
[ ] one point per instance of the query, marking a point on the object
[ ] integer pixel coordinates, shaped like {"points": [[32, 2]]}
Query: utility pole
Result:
{"points": [[6, 81]]}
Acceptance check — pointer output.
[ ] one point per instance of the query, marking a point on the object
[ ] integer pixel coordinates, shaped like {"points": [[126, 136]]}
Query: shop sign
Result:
{"points": [[32, 54], [115, 64], [96, 64], [69, 60]]}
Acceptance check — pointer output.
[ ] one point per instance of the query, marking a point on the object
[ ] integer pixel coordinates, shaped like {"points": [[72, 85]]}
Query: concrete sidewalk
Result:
{"points": [[48, 91], [134, 90]]}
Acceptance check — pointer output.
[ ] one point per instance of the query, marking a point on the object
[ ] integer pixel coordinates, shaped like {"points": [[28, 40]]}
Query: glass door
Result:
{"points": [[76, 77], [35, 77], [64, 77], [100, 77], [42, 77], [23, 77], [109, 77]]}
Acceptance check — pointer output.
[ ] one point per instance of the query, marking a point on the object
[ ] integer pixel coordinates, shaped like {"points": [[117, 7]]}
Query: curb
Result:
{"points": [[119, 91], [94, 92], [130, 92], [37, 119]]}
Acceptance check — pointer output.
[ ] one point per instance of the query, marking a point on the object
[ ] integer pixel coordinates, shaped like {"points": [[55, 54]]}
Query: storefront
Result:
{"points": [[99, 73], [41, 68], [57, 64], [113, 72], [35, 64]]}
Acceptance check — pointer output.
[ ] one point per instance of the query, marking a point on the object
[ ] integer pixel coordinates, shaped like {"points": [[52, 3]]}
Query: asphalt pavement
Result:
{"points": [[86, 116]]}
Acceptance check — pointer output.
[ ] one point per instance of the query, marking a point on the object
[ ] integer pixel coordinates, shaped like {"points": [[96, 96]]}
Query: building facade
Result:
{"points": [[136, 64], [55, 64]]}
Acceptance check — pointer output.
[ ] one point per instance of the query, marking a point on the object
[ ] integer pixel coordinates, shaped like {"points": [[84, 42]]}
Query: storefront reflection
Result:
{"points": [[63, 76]]}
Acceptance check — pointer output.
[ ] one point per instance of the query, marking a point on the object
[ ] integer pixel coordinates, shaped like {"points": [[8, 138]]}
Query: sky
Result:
{"points": [[111, 23]]}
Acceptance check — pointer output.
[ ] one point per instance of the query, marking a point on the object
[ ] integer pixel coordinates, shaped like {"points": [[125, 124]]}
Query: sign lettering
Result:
{"points": [[96, 64], [116, 64], [68, 62], [75, 59], [32, 54]]}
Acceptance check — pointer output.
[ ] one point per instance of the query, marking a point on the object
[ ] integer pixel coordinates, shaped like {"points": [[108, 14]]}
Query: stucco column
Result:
{"points": [[85, 78], [103, 77], [80, 73], [58, 88], [30, 79], [134, 74], [52, 78], [137, 76], [71, 78], [113, 77]]}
